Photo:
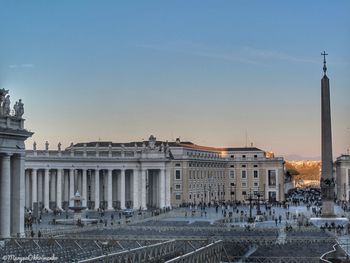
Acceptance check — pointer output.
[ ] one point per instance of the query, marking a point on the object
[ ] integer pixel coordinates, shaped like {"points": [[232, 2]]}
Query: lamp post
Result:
{"points": [[258, 195], [232, 193], [250, 199]]}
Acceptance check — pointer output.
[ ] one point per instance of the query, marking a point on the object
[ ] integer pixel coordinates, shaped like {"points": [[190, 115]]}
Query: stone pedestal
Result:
{"points": [[327, 209]]}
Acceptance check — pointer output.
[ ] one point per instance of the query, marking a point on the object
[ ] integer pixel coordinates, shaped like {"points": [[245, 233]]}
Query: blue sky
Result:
{"points": [[206, 71]]}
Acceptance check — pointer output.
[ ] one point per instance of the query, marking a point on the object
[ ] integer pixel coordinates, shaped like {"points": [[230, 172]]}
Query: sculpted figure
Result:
{"points": [[3, 93], [59, 146], [6, 106], [152, 142], [34, 146], [19, 109], [15, 109], [46, 145]]}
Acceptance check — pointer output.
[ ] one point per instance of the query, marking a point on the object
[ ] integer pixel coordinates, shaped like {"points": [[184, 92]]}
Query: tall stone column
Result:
{"points": [[66, 186], [40, 188], [84, 187], [53, 176], [18, 195], [59, 189], [162, 188], [27, 192], [167, 188], [135, 176], [5, 200], [34, 187], [97, 189], [109, 190], [154, 184], [78, 180], [143, 189], [122, 189], [71, 187], [46, 189]]}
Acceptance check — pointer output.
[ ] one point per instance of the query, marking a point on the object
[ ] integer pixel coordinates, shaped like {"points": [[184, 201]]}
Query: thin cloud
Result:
{"points": [[194, 49], [21, 66], [270, 54]]}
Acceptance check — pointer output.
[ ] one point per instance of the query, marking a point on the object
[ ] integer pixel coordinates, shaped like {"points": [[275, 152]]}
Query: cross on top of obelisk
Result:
{"points": [[324, 62]]}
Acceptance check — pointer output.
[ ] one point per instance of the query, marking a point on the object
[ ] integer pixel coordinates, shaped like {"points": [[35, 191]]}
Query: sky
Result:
{"points": [[217, 73]]}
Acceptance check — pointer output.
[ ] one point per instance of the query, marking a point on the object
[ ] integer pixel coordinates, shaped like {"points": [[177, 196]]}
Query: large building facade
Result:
{"points": [[148, 174]]}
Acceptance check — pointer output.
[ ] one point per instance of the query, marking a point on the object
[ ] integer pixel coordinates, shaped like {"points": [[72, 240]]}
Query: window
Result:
{"points": [[244, 166], [272, 177], [255, 174], [244, 174], [177, 186], [256, 184], [178, 175], [232, 174], [244, 184], [232, 166], [178, 196], [244, 192], [255, 165], [243, 156], [190, 196], [177, 164], [232, 156], [255, 156]]}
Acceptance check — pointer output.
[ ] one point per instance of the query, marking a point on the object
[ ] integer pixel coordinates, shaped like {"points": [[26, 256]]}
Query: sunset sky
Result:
{"points": [[210, 72]]}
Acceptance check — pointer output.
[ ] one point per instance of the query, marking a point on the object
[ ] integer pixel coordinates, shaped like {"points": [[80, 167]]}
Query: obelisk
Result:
{"points": [[327, 180]]}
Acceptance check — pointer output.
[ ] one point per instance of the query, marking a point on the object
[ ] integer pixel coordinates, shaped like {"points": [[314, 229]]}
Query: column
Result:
{"points": [[5, 200], [46, 189], [71, 187], [78, 185], [162, 188], [34, 188], [66, 186], [135, 176], [40, 188], [84, 188], [155, 188], [97, 189], [109, 190], [27, 193], [167, 188], [18, 195], [143, 189], [53, 185], [122, 189], [59, 189]]}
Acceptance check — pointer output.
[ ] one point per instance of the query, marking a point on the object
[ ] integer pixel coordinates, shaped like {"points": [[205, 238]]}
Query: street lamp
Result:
{"points": [[250, 198], [232, 193]]}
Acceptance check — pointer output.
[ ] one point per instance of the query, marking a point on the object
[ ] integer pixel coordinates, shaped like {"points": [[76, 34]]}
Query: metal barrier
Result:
{"points": [[211, 253], [138, 255]]}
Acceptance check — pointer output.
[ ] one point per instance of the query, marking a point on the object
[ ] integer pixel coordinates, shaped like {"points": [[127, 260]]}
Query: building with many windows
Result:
{"points": [[149, 174]]}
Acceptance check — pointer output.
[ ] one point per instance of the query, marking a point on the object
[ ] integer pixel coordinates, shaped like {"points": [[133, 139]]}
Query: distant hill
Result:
{"points": [[304, 169]]}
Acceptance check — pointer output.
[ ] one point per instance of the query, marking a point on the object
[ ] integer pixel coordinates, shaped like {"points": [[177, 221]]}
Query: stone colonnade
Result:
{"points": [[11, 194], [107, 188]]}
